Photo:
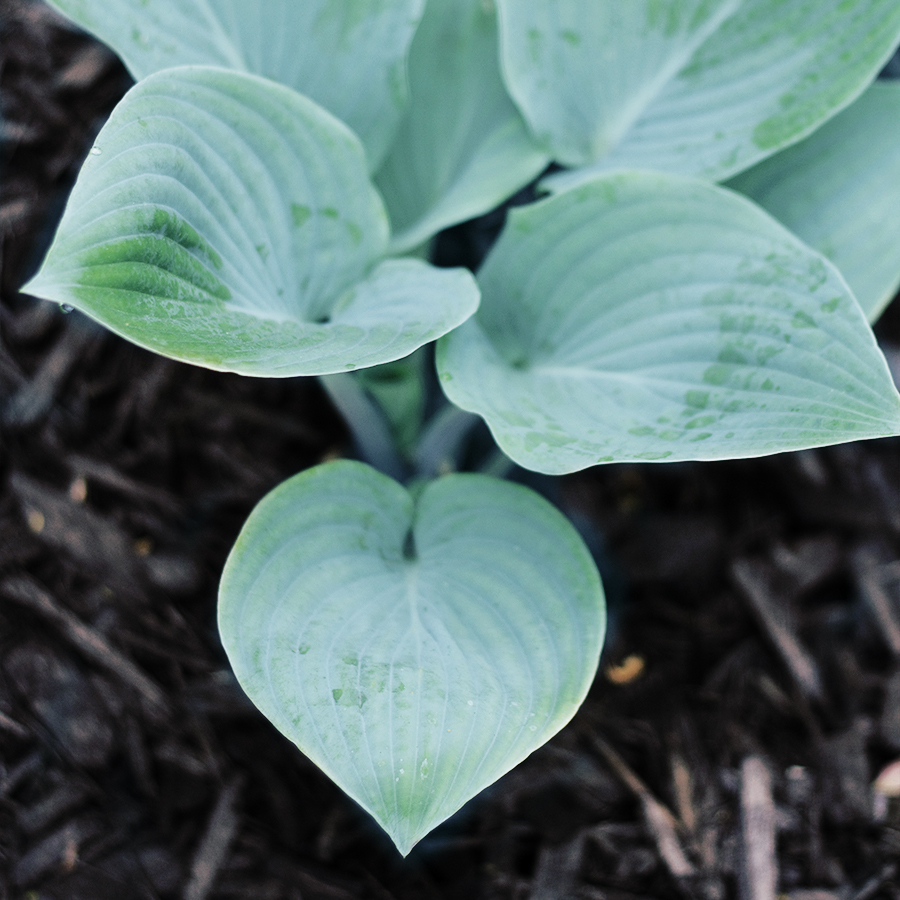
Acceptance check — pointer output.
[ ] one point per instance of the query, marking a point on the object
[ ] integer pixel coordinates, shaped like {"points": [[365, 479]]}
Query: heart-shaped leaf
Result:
{"points": [[839, 190], [414, 649], [645, 316], [768, 75], [462, 147], [348, 57], [226, 220]]}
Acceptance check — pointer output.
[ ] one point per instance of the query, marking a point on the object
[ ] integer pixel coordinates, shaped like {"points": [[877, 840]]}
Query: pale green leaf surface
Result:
{"points": [[348, 57], [839, 190], [226, 220], [772, 73], [414, 670], [462, 147], [583, 71], [644, 316]]}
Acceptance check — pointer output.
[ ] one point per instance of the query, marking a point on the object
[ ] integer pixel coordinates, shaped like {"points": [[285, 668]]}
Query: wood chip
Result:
{"points": [[659, 820], [35, 398], [66, 798], [759, 869], [557, 871], [755, 581], [92, 541], [210, 855], [57, 851], [885, 609], [84, 639]]}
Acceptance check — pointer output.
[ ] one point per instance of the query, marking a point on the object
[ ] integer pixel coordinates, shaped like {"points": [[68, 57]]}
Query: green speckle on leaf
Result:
{"points": [[303, 648], [730, 354], [831, 305], [573, 38], [337, 693], [355, 233], [350, 661], [329, 212], [697, 399], [716, 374], [534, 44], [803, 320], [300, 213]]}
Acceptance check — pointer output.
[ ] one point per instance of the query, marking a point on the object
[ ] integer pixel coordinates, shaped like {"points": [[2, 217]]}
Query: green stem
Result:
{"points": [[369, 428], [441, 441]]}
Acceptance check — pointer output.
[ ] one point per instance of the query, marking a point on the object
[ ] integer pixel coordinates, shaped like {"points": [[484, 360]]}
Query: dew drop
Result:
{"points": [[95, 150], [66, 308]]}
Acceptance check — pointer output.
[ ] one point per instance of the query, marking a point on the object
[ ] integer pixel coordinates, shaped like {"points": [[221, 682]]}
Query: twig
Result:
{"points": [[84, 639], [752, 578], [659, 819], [886, 613], [219, 834], [759, 869]]}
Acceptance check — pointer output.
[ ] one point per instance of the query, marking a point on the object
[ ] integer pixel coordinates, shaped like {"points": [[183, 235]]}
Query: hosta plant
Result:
{"points": [[263, 200]]}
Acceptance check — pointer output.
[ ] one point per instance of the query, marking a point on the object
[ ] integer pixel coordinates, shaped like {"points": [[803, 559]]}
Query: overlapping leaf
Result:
{"points": [[651, 317], [768, 75], [583, 71], [414, 649], [348, 57], [839, 190], [226, 220], [463, 147]]}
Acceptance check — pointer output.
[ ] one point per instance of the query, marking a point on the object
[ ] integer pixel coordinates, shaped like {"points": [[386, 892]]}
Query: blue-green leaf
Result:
{"points": [[583, 71], [645, 316], [839, 190], [769, 74], [226, 220], [415, 648], [348, 57], [463, 147]]}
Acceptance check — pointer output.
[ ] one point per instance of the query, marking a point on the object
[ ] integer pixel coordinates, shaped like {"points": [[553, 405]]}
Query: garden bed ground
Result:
{"points": [[748, 696]]}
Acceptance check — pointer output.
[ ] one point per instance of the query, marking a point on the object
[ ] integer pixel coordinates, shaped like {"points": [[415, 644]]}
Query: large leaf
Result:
{"points": [[463, 147], [584, 70], [348, 57], [226, 220], [767, 76], [414, 649], [839, 190], [644, 316]]}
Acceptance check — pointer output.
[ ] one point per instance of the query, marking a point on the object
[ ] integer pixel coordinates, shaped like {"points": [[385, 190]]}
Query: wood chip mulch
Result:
{"points": [[741, 740]]}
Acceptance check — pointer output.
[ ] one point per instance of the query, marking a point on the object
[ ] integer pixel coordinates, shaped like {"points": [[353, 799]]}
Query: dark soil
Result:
{"points": [[748, 697]]}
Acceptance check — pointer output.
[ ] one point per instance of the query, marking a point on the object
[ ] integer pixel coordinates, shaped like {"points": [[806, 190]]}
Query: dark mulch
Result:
{"points": [[748, 697]]}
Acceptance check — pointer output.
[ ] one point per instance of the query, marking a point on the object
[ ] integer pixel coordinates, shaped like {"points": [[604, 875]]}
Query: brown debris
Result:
{"points": [[660, 821], [34, 399], [756, 582], [885, 608], [759, 869], [91, 540], [84, 639], [210, 855]]}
